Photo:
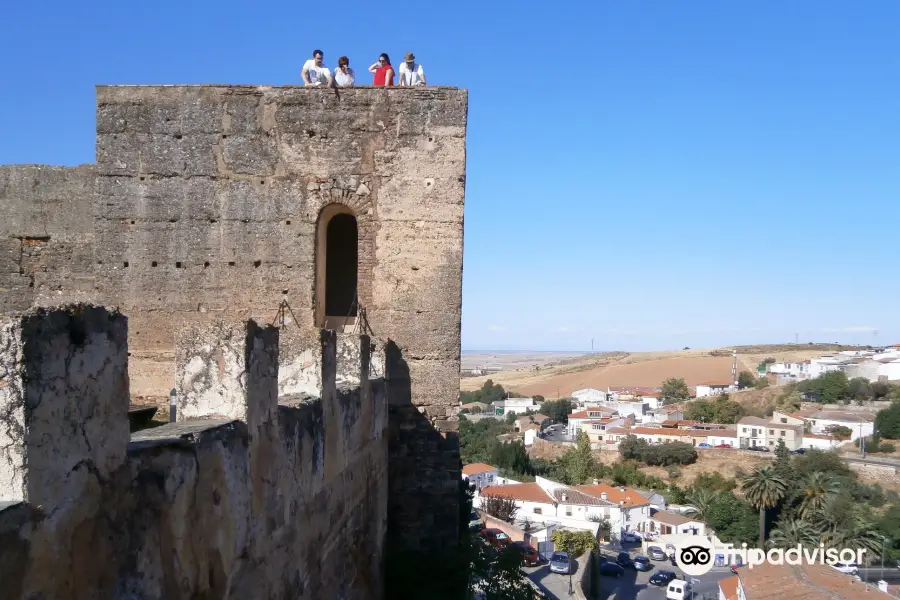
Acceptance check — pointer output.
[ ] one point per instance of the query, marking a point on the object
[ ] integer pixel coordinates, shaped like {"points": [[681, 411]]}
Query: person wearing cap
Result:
{"points": [[411, 73], [344, 75], [315, 72]]}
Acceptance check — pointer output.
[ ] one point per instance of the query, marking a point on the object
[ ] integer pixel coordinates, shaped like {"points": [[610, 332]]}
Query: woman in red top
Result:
{"points": [[384, 72]]}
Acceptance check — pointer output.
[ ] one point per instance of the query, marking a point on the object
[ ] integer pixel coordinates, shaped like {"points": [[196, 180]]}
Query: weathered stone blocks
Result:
{"points": [[63, 402]]}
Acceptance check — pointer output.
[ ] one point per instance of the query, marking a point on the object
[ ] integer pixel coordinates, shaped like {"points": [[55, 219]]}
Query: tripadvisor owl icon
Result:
{"points": [[694, 556]]}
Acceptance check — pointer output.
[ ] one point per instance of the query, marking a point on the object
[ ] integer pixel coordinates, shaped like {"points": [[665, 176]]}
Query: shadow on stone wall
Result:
{"points": [[424, 497]]}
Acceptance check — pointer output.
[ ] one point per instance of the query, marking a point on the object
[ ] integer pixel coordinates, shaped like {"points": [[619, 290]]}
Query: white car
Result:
{"points": [[848, 568], [631, 538]]}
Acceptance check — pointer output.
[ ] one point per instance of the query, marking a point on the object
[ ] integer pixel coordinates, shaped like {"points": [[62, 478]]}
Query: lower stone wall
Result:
{"points": [[185, 519], [282, 498]]}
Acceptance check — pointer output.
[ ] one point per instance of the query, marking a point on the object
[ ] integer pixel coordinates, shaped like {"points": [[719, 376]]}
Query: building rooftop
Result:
{"points": [[616, 495], [576, 496], [670, 518], [754, 421], [808, 582], [526, 492], [476, 468]]}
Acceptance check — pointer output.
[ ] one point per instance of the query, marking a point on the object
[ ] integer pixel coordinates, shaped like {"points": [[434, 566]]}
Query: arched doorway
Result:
{"points": [[337, 268]]}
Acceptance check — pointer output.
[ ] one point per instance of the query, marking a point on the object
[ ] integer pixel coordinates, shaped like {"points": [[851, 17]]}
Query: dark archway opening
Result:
{"points": [[341, 264]]}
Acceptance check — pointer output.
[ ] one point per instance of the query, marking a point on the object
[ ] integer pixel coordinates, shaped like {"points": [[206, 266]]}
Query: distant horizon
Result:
{"points": [[713, 347]]}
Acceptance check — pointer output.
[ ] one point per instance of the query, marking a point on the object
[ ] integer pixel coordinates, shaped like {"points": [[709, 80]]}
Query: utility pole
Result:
{"points": [[862, 442], [592, 345], [734, 378]]}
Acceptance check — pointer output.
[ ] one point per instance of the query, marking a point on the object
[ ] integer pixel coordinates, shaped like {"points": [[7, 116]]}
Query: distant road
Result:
{"points": [[873, 574]]}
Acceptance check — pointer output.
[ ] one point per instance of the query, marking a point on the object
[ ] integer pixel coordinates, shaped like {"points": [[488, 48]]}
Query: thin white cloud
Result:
{"points": [[853, 329]]}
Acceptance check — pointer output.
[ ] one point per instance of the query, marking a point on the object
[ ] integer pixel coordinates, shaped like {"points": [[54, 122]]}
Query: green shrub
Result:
{"points": [[581, 541], [887, 447]]}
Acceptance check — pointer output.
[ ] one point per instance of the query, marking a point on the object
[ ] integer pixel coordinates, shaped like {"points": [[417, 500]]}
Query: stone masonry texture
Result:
{"points": [[203, 207], [288, 502]]}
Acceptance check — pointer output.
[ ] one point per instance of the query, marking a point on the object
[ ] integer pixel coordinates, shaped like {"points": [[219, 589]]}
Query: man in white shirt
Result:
{"points": [[411, 73], [315, 72]]}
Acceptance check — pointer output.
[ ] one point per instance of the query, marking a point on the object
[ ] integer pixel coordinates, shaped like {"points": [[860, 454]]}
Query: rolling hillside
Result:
{"points": [[561, 378]]}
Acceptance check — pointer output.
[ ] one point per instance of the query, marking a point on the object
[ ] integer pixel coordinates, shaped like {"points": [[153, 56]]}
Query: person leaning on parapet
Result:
{"points": [[315, 72], [344, 75], [383, 71], [411, 73]]}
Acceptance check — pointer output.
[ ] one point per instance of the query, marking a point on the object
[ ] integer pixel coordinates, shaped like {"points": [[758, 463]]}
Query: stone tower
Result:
{"points": [[304, 208]]}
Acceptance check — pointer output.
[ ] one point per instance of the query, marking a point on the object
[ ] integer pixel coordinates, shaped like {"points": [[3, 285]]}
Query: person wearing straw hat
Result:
{"points": [[411, 73]]}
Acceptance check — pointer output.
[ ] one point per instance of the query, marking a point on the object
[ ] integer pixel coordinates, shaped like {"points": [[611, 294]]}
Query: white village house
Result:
{"points": [[575, 506], [480, 474]]}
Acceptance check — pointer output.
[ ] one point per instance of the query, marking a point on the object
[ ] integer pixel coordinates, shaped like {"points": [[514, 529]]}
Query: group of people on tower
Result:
{"points": [[315, 73]]}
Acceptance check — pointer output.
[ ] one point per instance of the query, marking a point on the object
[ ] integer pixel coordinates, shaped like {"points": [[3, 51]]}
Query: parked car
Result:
{"points": [[848, 568], [631, 538], [624, 560], [758, 449], [530, 556], [799, 451], [704, 445], [662, 578], [495, 537], [656, 553], [560, 563], [678, 589], [475, 522], [642, 563], [723, 446], [611, 569]]}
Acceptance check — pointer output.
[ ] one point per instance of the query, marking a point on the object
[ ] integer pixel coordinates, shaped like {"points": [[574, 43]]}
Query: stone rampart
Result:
{"points": [[248, 495]]}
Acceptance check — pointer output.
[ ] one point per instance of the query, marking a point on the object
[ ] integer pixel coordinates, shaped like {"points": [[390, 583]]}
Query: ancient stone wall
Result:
{"points": [[288, 501], [46, 235], [207, 205]]}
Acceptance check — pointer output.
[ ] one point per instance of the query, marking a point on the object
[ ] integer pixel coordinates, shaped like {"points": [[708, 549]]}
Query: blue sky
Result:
{"points": [[650, 174]]}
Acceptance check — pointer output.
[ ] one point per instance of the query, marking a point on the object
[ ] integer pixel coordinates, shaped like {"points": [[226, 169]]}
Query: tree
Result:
{"points": [[497, 574], [713, 482], [817, 489], [674, 390], [702, 502], [580, 463], [733, 520], [880, 390], [558, 410], [511, 457], [746, 379], [764, 489], [782, 462], [501, 508], [832, 386], [727, 410], [580, 541], [859, 389], [761, 383], [791, 532], [700, 410], [789, 401], [510, 418], [839, 431], [887, 421]]}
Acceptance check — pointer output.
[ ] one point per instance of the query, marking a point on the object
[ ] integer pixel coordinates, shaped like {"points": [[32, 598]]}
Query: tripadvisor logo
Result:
{"points": [[695, 557]]}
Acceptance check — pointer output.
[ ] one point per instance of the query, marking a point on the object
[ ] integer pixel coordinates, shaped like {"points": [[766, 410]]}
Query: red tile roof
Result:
{"points": [[527, 492], [806, 582], [616, 495], [476, 468]]}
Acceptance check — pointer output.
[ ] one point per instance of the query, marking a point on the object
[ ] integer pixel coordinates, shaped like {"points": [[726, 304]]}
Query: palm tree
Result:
{"points": [[791, 532], [764, 489], [701, 501], [854, 532], [816, 489]]}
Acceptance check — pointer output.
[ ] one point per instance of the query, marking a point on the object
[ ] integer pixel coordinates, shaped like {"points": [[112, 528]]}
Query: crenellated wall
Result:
{"points": [[207, 205], [247, 496]]}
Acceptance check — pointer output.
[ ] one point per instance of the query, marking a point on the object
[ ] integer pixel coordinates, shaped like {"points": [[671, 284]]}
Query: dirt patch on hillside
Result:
{"points": [[630, 370]]}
